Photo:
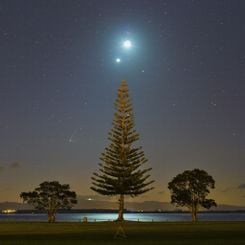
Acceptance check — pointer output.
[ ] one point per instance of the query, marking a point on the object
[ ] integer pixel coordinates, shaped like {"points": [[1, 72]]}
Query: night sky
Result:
{"points": [[59, 79]]}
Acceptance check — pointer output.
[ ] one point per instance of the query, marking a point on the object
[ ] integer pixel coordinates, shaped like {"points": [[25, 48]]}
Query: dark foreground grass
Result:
{"points": [[208, 233]]}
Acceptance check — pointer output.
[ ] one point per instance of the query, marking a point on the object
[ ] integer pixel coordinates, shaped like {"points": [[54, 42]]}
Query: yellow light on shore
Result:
{"points": [[9, 211]]}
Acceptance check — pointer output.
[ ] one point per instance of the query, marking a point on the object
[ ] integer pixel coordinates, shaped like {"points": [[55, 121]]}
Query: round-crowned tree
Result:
{"points": [[190, 189], [50, 197]]}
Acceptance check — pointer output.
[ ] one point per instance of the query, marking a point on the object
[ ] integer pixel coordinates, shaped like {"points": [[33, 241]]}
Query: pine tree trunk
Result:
{"points": [[121, 208], [193, 215], [51, 217]]}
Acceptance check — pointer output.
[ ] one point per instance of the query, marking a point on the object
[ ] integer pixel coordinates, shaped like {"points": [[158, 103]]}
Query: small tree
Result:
{"points": [[190, 189], [50, 197], [120, 171]]}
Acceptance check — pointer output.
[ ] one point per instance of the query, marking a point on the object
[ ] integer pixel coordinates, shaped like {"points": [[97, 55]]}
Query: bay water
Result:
{"points": [[146, 217]]}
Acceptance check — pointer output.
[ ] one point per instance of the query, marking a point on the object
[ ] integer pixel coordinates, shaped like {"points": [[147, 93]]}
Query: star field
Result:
{"points": [[62, 62]]}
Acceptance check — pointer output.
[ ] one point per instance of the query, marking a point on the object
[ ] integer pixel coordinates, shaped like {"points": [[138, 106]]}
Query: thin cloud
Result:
{"points": [[241, 186], [14, 165], [226, 190]]}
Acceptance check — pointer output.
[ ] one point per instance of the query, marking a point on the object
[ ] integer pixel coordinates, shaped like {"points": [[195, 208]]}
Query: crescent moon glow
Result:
{"points": [[127, 44]]}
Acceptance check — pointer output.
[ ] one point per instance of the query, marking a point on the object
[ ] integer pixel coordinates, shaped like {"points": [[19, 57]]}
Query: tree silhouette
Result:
{"points": [[120, 168], [50, 197], [190, 189]]}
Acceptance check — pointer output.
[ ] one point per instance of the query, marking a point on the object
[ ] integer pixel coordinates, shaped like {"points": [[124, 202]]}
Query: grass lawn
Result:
{"points": [[136, 233]]}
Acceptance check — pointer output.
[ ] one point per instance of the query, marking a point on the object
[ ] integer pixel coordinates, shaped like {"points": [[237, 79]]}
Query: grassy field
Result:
{"points": [[136, 233]]}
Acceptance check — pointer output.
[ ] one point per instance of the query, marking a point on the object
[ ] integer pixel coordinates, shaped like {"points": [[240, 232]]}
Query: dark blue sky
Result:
{"points": [[59, 78]]}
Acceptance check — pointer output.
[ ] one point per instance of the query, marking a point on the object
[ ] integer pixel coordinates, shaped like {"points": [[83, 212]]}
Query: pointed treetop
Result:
{"points": [[123, 85], [123, 82]]}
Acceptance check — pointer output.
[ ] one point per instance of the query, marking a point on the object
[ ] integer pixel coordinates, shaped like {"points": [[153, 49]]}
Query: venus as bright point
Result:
{"points": [[118, 60]]}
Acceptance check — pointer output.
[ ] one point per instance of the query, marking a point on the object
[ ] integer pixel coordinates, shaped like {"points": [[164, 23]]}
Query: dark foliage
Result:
{"points": [[50, 197], [120, 171], [190, 189]]}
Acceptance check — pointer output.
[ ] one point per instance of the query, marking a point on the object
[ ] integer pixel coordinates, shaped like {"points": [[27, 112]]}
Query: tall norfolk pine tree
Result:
{"points": [[120, 171]]}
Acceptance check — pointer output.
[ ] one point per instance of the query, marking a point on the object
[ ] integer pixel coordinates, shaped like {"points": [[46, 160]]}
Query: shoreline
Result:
{"points": [[107, 211]]}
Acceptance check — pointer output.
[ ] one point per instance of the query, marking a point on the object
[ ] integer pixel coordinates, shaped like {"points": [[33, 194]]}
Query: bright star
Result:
{"points": [[118, 60], [127, 44]]}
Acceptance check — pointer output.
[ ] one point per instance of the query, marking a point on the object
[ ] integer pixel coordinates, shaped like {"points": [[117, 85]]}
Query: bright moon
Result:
{"points": [[127, 44], [118, 60]]}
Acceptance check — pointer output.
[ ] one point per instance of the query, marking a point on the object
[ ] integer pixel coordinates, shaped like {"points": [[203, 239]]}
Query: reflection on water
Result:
{"points": [[96, 217]]}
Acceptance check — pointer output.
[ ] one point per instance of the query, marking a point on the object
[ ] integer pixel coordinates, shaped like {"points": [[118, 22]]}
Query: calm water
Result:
{"points": [[92, 217]]}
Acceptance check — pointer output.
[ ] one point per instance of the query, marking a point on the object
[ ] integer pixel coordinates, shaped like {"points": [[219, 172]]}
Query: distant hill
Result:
{"points": [[132, 206], [224, 207], [88, 203], [14, 205], [146, 206]]}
